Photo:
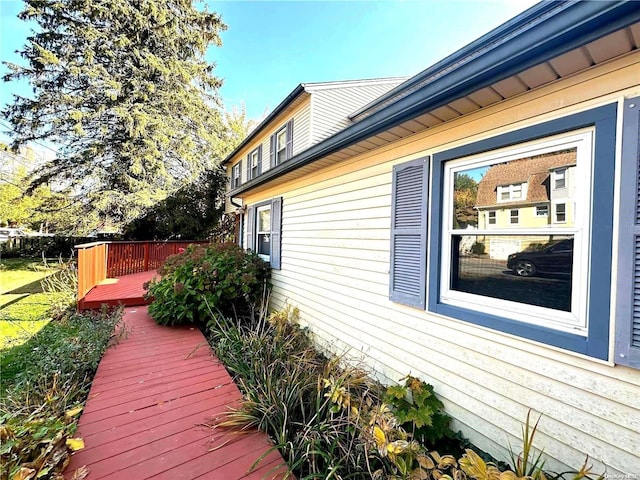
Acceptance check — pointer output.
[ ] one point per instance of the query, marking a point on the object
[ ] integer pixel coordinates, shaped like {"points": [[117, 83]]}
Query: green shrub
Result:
{"points": [[419, 411], [478, 248], [220, 278], [291, 391]]}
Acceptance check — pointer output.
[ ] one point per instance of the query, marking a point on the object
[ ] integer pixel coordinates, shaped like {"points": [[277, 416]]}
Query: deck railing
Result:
{"points": [[92, 266], [101, 260]]}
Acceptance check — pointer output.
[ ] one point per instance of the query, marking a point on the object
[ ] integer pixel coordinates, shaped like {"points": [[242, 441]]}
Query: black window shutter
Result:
{"points": [[408, 267], [290, 139], [276, 229], [272, 154], [248, 167], [250, 226], [260, 159], [627, 348]]}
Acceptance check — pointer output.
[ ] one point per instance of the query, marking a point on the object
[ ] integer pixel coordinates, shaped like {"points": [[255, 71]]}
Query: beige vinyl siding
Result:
{"points": [[301, 136], [335, 263], [332, 106], [302, 128]]}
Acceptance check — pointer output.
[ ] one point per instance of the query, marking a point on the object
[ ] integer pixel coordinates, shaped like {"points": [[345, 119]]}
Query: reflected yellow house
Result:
{"points": [[535, 192]]}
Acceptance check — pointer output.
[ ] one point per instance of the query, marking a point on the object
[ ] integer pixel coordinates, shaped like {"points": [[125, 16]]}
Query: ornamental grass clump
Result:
{"points": [[328, 419], [331, 420], [218, 278]]}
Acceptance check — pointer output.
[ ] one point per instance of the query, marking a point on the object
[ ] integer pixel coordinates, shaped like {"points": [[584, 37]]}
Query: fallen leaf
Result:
{"points": [[73, 412], [81, 473], [75, 443], [24, 474]]}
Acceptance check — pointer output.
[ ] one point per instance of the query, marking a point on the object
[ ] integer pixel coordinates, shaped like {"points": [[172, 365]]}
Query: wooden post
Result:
{"points": [[146, 256]]}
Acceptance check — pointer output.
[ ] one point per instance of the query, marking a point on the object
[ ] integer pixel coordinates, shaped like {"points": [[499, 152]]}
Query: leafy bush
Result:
{"points": [[478, 248], [43, 387], [220, 277], [419, 411], [56, 246]]}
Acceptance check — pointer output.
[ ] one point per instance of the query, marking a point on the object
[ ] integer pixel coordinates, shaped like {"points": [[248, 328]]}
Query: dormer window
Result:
{"points": [[515, 191]]}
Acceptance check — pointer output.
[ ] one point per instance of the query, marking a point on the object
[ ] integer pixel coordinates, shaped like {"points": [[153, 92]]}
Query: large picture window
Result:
{"points": [[537, 279], [524, 267]]}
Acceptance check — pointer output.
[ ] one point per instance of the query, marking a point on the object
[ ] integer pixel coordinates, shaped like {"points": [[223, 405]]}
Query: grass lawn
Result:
{"points": [[7, 298], [20, 320], [23, 272]]}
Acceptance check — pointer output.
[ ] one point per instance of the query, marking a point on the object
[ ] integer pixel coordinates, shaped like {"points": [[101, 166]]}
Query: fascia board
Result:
{"points": [[575, 25]]}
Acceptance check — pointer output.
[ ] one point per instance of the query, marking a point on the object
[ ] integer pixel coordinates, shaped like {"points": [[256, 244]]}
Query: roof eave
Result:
{"points": [[571, 27], [263, 124]]}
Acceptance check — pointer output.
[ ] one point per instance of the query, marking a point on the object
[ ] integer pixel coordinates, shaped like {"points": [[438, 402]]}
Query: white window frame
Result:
{"points": [[282, 133], [253, 166], [510, 191], [259, 232], [560, 175], [235, 175], [516, 216], [555, 212], [492, 218], [573, 321], [540, 212]]}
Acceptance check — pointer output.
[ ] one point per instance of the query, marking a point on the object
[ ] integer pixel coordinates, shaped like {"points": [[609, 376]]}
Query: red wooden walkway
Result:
{"points": [[151, 397], [124, 290]]}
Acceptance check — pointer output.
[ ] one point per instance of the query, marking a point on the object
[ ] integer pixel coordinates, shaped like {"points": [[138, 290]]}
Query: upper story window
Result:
{"points": [[560, 213], [542, 210], [515, 191], [235, 175], [560, 178], [254, 163], [282, 144]]}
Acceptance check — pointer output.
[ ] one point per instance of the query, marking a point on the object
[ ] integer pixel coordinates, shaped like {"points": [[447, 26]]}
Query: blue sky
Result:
{"points": [[272, 46]]}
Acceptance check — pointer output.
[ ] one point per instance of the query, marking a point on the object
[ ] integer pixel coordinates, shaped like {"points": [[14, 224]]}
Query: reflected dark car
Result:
{"points": [[553, 258]]}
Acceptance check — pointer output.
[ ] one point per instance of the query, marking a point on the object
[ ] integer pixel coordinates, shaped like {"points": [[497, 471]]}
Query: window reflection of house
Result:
{"points": [[521, 193]]}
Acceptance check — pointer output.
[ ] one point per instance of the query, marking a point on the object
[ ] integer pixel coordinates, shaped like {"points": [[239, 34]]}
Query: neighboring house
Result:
{"points": [[362, 236], [523, 194]]}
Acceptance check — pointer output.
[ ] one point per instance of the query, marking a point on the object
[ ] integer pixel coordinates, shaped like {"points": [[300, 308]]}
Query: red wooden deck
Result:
{"points": [[148, 407], [124, 290]]}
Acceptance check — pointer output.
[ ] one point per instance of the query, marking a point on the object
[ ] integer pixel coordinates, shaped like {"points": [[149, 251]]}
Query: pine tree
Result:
{"points": [[124, 90]]}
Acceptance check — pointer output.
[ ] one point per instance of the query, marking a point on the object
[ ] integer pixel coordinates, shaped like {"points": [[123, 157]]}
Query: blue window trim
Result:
{"points": [[275, 247], [596, 343]]}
